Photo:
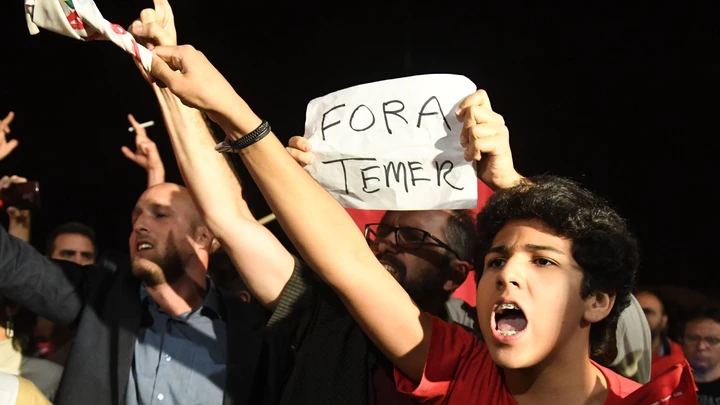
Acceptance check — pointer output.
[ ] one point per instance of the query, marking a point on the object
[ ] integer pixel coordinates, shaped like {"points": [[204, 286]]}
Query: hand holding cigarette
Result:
{"points": [[143, 125]]}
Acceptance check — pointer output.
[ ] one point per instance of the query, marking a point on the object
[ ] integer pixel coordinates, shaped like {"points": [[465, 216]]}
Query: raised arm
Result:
{"points": [[319, 227], [263, 262]]}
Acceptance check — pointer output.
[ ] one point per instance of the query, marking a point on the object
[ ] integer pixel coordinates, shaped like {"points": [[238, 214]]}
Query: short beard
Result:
{"points": [[429, 293], [152, 274]]}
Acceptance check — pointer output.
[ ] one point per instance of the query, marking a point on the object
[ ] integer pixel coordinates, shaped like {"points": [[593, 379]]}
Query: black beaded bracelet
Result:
{"points": [[259, 133]]}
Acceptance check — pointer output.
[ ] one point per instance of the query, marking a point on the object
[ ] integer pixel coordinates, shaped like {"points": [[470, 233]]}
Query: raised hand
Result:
{"points": [[300, 149], [155, 26], [146, 154], [6, 146], [486, 140], [195, 81], [19, 224]]}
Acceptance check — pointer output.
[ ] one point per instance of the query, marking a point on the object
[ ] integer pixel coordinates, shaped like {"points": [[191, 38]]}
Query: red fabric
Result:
{"points": [[661, 364], [466, 291], [459, 370], [675, 386]]}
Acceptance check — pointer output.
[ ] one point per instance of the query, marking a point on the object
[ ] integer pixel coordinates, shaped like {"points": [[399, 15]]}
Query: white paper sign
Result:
{"points": [[393, 145]]}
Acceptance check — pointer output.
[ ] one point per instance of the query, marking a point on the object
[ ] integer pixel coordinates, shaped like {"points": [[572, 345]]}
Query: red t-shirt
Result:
{"points": [[459, 370], [661, 364]]}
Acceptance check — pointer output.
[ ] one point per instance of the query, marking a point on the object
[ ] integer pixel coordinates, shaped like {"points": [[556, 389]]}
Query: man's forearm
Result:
{"points": [[20, 230], [328, 239], [156, 176], [263, 262]]}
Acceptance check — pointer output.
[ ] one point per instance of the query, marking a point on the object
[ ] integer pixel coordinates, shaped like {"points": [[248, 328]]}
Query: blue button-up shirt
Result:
{"points": [[179, 359]]}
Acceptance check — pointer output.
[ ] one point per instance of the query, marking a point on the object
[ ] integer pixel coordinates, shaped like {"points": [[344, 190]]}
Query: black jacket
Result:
{"points": [[105, 309]]}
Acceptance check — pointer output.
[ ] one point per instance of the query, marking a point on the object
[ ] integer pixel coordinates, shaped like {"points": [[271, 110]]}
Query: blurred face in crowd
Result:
{"points": [[73, 247], [166, 233], [654, 312], [701, 345]]}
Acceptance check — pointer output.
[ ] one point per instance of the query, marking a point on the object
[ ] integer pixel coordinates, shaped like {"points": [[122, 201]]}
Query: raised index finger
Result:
{"points": [[163, 5], [8, 119], [139, 131]]}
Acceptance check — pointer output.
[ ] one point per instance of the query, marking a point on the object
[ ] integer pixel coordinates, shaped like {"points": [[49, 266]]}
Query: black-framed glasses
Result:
{"points": [[405, 237], [695, 339]]}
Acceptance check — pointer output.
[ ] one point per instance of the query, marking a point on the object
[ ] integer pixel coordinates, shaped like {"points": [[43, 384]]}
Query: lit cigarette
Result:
{"points": [[143, 125]]}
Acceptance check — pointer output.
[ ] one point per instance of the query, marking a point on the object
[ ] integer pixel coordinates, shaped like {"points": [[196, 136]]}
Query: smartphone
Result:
{"points": [[23, 196]]}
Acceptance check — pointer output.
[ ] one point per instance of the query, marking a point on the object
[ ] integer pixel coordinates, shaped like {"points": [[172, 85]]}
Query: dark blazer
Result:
{"points": [[105, 309]]}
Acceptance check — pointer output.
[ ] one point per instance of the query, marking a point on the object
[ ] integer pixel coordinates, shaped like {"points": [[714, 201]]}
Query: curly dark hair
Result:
{"points": [[601, 242], [461, 235]]}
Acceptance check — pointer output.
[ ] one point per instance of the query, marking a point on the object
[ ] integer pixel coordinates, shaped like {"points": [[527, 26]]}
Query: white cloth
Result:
{"points": [[81, 19], [9, 387], [10, 357], [634, 346]]}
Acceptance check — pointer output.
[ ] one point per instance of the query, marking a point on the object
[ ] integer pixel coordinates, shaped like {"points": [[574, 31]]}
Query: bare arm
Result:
{"points": [[318, 226], [19, 224], [328, 239], [19, 220], [263, 262]]}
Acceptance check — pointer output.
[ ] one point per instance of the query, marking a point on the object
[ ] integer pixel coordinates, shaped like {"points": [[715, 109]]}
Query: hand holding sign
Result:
{"points": [[486, 140], [392, 144], [301, 150]]}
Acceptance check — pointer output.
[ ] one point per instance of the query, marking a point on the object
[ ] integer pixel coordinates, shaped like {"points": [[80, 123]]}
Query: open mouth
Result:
{"points": [[509, 320], [394, 266], [144, 246], [391, 269]]}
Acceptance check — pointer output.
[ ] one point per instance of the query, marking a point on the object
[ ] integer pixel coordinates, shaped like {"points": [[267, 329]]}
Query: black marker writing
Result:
{"points": [[322, 125]]}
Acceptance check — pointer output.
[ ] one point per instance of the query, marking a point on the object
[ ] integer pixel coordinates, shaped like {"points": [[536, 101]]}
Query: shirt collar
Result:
{"points": [[209, 308]]}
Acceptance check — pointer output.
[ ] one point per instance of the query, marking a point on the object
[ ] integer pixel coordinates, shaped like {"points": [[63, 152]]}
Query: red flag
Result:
{"points": [[674, 387]]}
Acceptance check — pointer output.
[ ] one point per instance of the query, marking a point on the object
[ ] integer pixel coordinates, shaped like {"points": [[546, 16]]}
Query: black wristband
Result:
{"points": [[259, 133]]}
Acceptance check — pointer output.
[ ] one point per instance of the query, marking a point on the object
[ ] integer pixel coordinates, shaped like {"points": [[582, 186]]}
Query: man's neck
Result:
{"points": [[707, 376], [183, 295], [656, 344], [567, 377]]}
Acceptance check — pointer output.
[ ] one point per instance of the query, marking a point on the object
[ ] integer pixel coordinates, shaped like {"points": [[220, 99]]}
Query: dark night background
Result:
{"points": [[620, 100]]}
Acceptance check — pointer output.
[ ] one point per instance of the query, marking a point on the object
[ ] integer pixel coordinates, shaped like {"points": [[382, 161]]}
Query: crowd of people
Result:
{"points": [[212, 308]]}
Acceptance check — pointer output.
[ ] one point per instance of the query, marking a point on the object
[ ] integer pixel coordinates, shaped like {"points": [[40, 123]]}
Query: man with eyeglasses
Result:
{"points": [[428, 252], [701, 344], [427, 267]]}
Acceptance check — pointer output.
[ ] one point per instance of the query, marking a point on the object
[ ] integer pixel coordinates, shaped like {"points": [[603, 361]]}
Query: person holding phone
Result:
{"points": [[17, 196]]}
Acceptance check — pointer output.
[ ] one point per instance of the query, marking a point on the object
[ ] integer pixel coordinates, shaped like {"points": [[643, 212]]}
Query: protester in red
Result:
{"points": [[559, 265], [665, 352]]}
